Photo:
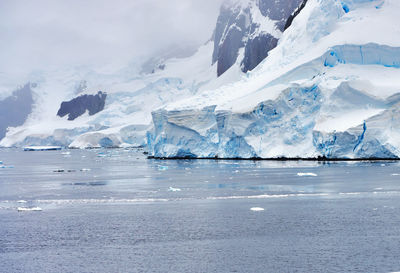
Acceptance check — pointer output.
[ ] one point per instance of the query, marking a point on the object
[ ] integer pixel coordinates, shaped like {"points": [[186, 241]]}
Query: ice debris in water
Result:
{"points": [[21, 201], [42, 148], [5, 167], [1, 162], [29, 209], [257, 209], [395, 174], [173, 189], [85, 170], [162, 168], [306, 174]]}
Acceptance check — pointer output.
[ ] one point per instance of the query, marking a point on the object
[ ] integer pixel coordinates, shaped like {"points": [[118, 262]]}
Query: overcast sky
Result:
{"points": [[54, 33]]}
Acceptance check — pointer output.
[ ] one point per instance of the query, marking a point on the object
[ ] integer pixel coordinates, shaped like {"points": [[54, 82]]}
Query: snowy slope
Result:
{"points": [[127, 112], [331, 88], [131, 95]]}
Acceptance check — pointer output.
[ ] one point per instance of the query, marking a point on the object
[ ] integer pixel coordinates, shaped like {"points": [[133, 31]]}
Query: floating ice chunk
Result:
{"points": [[29, 209], [21, 201], [66, 153], [42, 148], [306, 174], [257, 209], [163, 168], [173, 189], [395, 174], [6, 167], [85, 170], [1, 162]]}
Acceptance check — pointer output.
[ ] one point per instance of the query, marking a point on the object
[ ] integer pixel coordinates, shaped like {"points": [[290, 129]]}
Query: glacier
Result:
{"points": [[121, 114], [326, 91], [278, 79]]}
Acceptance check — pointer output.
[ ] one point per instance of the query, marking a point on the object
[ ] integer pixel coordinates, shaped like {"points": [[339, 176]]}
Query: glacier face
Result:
{"points": [[281, 128], [325, 91]]}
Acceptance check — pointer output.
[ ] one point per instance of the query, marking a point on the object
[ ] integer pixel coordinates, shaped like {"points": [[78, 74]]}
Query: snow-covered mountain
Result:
{"points": [[67, 107], [119, 117], [279, 78], [331, 88]]}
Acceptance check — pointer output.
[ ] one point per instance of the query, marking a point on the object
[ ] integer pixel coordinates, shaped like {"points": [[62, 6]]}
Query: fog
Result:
{"points": [[48, 34]]}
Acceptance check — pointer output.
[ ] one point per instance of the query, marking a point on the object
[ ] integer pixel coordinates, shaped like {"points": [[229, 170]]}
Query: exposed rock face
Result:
{"points": [[248, 25], [257, 50], [229, 32], [294, 14], [78, 106], [15, 109]]}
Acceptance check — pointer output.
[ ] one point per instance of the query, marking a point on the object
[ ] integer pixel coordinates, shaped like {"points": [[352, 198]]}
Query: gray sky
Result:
{"points": [[37, 34]]}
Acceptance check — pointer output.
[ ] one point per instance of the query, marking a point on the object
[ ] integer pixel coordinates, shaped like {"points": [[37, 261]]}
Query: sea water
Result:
{"points": [[117, 211]]}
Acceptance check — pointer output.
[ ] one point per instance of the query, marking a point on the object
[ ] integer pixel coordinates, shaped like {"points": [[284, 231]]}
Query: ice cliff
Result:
{"points": [[331, 89]]}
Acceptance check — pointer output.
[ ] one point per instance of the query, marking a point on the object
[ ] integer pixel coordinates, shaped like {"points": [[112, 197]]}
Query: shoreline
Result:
{"points": [[318, 159]]}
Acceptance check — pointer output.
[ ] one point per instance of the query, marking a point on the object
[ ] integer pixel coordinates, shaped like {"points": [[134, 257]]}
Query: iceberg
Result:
{"points": [[21, 209], [174, 189], [42, 148], [307, 174], [257, 209]]}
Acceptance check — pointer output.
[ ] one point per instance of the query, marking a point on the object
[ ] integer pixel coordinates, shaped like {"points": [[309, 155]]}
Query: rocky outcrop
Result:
{"points": [[79, 105], [253, 25], [15, 109]]}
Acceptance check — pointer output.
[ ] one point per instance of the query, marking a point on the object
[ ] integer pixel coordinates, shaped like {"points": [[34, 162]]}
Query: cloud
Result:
{"points": [[45, 34]]}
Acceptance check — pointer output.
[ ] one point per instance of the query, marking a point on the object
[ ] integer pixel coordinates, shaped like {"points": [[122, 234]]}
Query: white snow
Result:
{"points": [[342, 122]]}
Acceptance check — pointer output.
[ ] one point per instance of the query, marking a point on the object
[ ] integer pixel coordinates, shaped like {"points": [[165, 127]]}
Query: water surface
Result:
{"points": [[116, 211]]}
